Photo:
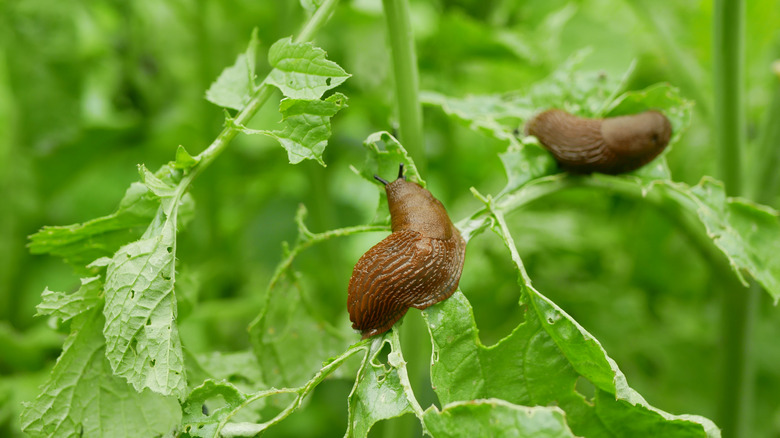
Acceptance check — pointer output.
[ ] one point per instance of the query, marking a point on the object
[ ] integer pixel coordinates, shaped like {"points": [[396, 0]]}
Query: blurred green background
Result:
{"points": [[90, 89]]}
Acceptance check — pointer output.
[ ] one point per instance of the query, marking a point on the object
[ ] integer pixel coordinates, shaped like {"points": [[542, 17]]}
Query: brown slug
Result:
{"points": [[418, 265], [612, 145]]}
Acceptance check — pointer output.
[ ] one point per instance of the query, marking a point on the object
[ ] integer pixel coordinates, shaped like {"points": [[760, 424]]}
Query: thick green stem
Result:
{"points": [[729, 135], [410, 129], [728, 58], [407, 83]]}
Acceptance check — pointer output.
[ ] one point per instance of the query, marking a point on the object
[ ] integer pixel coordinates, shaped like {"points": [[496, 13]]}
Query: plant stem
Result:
{"points": [[411, 135], [738, 311], [407, 82], [728, 58]]}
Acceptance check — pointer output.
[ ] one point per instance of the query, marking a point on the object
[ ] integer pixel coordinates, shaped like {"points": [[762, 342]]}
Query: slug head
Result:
{"points": [[414, 208], [641, 136]]}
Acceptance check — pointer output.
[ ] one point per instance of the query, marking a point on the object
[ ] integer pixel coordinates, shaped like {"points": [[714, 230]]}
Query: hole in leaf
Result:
{"points": [[205, 410], [170, 249], [132, 293], [152, 362], [585, 388], [327, 81], [149, 321]]}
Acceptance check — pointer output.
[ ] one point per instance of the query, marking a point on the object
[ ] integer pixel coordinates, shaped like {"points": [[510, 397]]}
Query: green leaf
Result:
{"points": [[198, 423], [526, 162], [83, 398], [235, 85], [301, 70], [184, 160], [80, 244], [67, 306], [142, 337], [747, 233], [306, 126], [385, 154], [539, 363], [290, 353], [382, 388], [496, 418]]}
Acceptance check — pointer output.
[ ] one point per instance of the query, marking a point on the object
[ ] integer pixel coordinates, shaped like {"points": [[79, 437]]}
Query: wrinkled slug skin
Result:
{"points": [[612, 145], [418, 265]]}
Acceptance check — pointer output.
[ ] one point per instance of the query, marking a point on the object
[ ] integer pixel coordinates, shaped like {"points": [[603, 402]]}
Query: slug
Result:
{"points": [[418, 265], [613, 145]]}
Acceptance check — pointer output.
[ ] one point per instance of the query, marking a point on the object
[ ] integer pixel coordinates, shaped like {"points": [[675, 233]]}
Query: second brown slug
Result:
{"points": [[612, 145], [418, 265]]}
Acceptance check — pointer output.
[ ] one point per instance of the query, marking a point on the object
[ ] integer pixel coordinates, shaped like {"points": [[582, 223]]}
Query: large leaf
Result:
{"points": [[142, 337], [289, 354], [496, 418], [540, 363], [83, 398]]}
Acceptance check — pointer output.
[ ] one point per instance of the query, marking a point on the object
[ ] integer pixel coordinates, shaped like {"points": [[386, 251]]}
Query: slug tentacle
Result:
{"points": [[612, 145], [418, 265]]}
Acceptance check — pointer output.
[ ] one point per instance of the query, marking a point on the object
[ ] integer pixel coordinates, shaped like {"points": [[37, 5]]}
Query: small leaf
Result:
{"points": [[235, 85], [184, 160], [301, 70], [83, 398], [306, 127], [201, 421], [496, 418], [380, 390], [67, 306]]}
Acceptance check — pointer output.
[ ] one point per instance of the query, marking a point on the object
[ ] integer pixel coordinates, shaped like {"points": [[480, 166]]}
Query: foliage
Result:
{"points": [[189, 314]]}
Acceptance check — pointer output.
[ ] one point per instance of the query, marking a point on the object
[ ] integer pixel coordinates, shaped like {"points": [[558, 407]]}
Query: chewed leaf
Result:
{"points": [[301, 70], [201, 420], [235, 85], [305, 126], [539, 364], [142, 337], [746, 232], [84, 398], [67, 306], [381, 389], [497, 418]]}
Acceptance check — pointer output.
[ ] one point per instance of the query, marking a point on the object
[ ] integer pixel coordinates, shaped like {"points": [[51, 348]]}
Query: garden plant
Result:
{"points": [[215, 161]]}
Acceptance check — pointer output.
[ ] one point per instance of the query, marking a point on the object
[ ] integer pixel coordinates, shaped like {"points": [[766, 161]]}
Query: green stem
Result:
{"points": [[411, 135], [406, 79], [728, 58], [738, 312]]}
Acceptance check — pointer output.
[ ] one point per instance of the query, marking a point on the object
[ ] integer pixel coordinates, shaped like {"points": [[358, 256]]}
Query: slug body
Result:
{"points": [[418, 265], [612, 145]]}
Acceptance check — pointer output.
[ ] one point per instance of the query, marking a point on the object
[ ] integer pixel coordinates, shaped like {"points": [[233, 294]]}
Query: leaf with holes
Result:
{"points": [[142, 337], [301, 70], [539, 364], [83, 398]]}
